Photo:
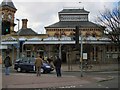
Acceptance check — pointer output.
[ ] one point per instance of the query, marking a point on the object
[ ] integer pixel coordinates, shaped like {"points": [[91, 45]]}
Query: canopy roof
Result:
{"points": [[62, 40]]}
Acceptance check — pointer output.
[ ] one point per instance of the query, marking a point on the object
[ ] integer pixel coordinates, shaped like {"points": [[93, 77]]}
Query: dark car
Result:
{"points": [[28, 65]]}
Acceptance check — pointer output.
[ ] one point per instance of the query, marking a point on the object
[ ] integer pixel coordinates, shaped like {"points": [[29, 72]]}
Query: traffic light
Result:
{"points": [[5, 28], [76, 35]]}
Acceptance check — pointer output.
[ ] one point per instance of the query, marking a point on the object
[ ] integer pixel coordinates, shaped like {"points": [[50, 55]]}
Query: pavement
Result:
{"points": [[30, 80], [95, 67]]}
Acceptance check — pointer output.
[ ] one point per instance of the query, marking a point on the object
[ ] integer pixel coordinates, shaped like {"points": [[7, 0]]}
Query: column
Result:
{"points": [[94, 55], [13, 54]]}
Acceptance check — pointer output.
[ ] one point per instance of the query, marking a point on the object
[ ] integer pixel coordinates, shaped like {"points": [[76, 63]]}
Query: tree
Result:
{"points": [[111, 20]]}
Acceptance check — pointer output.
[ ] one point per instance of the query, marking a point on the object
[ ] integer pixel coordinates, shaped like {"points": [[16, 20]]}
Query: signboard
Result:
{"points": [[3, 47], [84, 55]]}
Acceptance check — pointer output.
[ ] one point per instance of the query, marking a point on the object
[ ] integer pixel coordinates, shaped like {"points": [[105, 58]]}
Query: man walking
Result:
{"points": [[57, 64], [38, 64], [7, 63]]}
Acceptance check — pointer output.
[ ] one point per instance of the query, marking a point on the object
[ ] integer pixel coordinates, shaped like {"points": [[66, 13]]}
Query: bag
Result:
{"points": [[10, 63]]}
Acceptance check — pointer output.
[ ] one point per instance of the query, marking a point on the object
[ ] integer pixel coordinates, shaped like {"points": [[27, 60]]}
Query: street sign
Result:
{"points": [[84, 55]]}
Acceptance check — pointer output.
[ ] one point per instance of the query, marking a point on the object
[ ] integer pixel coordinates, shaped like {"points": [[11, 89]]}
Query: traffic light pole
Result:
{"points": [[18, 51], [60, 51], [78, 48]]}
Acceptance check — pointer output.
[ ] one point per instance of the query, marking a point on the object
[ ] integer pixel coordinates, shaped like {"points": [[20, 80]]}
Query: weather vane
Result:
{"points": [[81, 7]]}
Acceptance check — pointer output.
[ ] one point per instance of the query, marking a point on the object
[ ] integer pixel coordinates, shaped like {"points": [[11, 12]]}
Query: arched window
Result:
{"points": [[94, 34], [56, 34], [71, 33], [87, 34], [63, 33]]}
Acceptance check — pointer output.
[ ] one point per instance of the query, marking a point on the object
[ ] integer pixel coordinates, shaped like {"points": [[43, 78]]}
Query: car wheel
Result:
{"points": [[19, 70], [42, 70]]}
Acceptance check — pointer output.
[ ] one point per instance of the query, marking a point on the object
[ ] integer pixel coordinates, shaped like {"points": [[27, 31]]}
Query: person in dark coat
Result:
{"points": [[7, 63], [57, 64]]}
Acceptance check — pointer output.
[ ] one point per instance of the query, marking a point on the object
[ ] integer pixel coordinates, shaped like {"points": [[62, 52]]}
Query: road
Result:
{"points": [[112, 82], [95, 82], [0, 76]]}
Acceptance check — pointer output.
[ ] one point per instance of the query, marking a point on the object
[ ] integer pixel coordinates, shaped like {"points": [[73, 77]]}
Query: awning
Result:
{"points": [[49, 42], [66, 42]]}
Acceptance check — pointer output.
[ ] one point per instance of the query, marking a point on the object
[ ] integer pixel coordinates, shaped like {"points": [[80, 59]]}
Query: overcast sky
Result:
{"points": [[42, 13]]}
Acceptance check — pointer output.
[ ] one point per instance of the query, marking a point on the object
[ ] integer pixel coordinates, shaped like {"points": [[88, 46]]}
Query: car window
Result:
{"points": [[26, 60], [31, 61]]}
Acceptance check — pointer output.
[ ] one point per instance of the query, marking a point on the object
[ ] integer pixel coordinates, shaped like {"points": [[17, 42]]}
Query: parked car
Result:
{"points": [[27, 65]]}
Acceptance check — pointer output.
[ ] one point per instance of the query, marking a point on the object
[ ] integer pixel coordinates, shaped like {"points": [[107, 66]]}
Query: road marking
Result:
{"points": [[61, 87], [73, 86], [68, 87], [99, 85]]}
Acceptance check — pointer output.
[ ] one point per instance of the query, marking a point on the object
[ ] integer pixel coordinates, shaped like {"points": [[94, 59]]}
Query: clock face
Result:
{"points": [[10, 16]]}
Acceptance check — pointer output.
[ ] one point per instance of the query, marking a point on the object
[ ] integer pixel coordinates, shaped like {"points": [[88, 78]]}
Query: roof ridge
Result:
{"points": [[27, 31], [72, 10], [72, 24]]}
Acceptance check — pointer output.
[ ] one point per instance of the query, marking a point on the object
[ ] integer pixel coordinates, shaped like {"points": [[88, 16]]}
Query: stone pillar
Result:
{"points": [[103, 53], [94, 55]]}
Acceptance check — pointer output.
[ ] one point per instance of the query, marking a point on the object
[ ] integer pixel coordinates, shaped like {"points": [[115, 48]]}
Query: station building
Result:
{"points": [[58, 40]]}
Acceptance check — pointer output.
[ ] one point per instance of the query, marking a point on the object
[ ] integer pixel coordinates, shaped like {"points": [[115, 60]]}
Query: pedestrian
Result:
{"points": [[8, 64], [50, 61], [38, 64], [57, 64]]}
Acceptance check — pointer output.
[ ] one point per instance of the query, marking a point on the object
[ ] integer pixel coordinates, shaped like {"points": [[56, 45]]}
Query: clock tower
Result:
{"points": [[7, 12]]}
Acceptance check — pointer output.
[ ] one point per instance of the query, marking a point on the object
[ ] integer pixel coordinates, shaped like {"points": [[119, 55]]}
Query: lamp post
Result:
{"points": [[81, 56], [18, 51], [18, 23]]}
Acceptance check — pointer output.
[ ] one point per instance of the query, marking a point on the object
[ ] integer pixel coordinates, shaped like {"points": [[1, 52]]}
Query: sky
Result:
{"points": [[42, 13]]}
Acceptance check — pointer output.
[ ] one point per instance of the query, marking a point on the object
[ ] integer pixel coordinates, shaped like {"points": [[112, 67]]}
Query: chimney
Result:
{"points": [[24, 23]]}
